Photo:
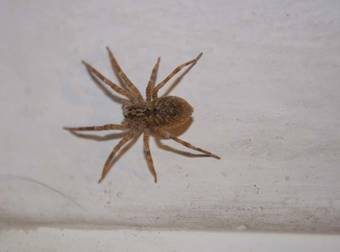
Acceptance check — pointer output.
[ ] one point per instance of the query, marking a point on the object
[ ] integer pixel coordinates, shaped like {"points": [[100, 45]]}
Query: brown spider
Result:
{"points": [[156, 116]]}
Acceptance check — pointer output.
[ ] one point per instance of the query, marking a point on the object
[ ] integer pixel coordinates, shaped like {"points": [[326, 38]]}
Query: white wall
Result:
{"points": [[266, 97]]}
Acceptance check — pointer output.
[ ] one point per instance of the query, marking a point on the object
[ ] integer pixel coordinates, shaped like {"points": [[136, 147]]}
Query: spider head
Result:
{"points": [[134, 111]]}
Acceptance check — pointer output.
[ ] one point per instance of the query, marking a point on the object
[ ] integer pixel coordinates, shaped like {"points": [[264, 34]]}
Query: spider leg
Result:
{"points": [[124, 80], [188, 145], [94, 73], [172, 74], [97, 128], [148, 156], [107, 165], [174, 150], [178, 80], [152, 80]]}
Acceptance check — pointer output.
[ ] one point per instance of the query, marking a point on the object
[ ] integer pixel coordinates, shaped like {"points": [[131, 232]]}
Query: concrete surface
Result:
{"points": [[266, 97]]}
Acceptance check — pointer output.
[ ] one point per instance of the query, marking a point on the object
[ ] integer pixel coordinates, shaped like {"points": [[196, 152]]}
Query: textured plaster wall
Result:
{"points": [[266, 97]]}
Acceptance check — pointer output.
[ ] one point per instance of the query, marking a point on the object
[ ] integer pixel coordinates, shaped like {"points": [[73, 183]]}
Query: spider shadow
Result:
{"points": [[179, 78], [99, 138], [104, 89]]}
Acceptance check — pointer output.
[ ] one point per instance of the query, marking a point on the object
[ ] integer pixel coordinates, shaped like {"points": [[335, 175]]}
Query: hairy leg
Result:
{"points": [[186, 144], [97, 128], [174, 150], [107, 165], [148, 156], [94, 72], [152, 80], [124, 80], [172, 74], [178, 80]]}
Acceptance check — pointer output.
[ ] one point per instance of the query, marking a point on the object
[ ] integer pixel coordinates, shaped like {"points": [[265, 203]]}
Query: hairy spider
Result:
{"points": [[156, 116]]}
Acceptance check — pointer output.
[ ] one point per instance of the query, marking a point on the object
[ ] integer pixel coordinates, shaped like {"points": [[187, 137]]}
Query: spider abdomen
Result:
{"points": [[172, 110], [167, 112]]}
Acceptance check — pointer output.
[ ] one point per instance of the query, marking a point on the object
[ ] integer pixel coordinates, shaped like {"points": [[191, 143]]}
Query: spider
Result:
{"points": [[154, 116]]}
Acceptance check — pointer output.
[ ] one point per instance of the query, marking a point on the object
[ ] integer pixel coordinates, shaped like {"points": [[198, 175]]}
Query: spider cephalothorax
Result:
{"points": [[156, 116]]}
